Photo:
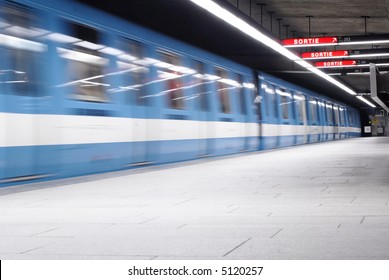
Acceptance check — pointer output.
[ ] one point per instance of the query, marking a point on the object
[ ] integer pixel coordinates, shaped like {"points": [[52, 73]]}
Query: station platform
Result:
{"points": [[318, 201]]}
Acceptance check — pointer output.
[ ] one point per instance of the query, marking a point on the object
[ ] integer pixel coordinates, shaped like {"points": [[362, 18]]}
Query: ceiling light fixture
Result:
{"points": [[366, 101], [369, 55]]}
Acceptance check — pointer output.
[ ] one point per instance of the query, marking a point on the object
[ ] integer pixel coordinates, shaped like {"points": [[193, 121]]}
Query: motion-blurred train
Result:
{"points": [[83, 92]]}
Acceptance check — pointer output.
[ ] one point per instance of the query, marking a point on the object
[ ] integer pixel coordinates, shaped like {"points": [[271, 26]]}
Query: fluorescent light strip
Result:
{"points": [[238, 23], [304, 64], [369, 55], [332, 80], [349, 56], [359, 73], [382, 64], [364, 42], [355, 73], [366, 101], [338, 44], [367, 65], [350, 74]]}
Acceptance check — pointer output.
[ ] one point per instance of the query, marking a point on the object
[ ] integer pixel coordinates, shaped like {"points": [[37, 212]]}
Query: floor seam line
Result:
{"points": [[276, 233], [46, 231], [233, 249]]}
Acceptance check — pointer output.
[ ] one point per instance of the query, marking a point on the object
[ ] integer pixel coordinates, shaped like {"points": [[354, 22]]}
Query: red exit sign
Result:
{"points": [[303, 42], [339, 63], [320, 55]]}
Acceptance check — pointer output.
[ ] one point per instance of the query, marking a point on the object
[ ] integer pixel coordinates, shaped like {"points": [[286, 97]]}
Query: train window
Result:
{"points": [[241, 95], [270, 98], [299, 99], [336, 115], [313, 109], [200, 85], [223, 91], [255, 100], [85, 66], [341, 113], [25, 55], [351, 118], [284, 102], [133, 73], [284, 105], [330, 114], [170, 73], [321, 111]]}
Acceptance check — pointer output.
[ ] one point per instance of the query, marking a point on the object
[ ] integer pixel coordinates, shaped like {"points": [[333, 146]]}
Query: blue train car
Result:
{"points": [[292, 115], [83, 92]]}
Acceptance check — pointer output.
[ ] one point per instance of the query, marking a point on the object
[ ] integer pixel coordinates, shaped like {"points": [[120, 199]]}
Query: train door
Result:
{"points": [[243, 114], [135, 72], [252, 112], [330, 121], [336, 122], [255, 114], [226, 129], [348, 122], [305, 119], [201, 93], [177, 116], [313, 120], [321, 119], [301, 128], [286, 131], [342, 121], [269, 107], [88, 101], [23, 95], [302, 122]]}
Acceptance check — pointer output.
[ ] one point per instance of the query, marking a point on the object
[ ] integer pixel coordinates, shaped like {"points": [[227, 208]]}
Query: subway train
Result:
{"points": [[84, 92]]}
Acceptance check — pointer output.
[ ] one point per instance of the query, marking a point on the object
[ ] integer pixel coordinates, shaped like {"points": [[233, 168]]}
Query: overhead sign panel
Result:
{"points": [[336, 63], [305, 42], [382, 52], [327, 54], [342, 40]]}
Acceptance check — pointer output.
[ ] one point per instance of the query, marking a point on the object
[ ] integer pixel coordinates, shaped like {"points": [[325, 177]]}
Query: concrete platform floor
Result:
{"points": [[319, 201]]}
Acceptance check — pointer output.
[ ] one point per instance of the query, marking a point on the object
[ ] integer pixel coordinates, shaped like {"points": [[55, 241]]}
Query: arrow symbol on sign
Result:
{"points": [[334, 40], [345, 53]]}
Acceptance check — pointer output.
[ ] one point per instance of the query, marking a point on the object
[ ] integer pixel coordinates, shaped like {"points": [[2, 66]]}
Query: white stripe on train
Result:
{"points": [[31, 130]]}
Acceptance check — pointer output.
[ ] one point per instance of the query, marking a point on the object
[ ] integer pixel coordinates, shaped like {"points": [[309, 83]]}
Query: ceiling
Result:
{"points": [[185, 21]]}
